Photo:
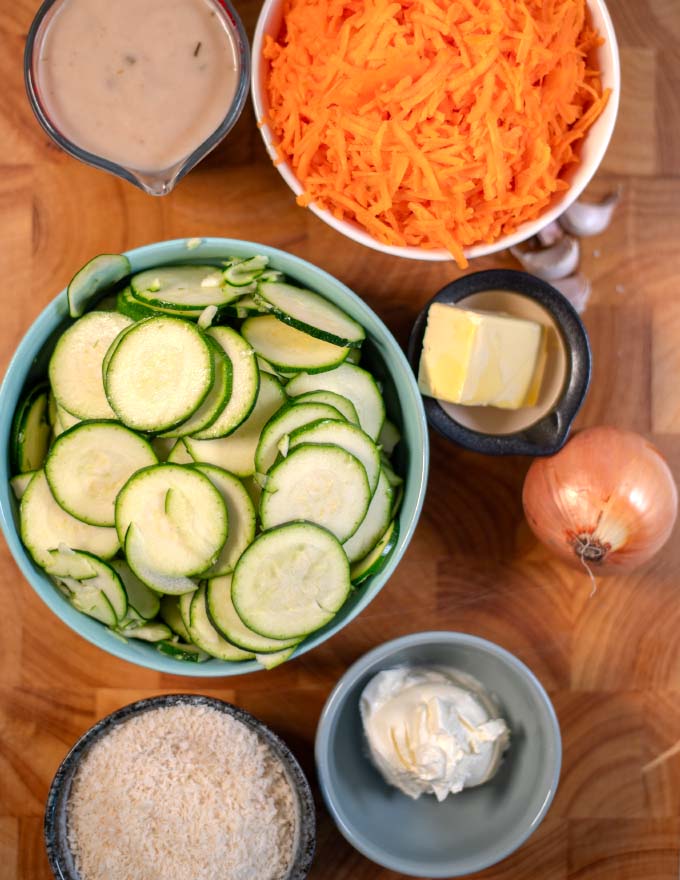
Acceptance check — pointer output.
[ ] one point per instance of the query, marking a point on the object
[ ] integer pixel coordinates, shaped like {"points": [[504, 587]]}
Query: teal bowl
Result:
{"points": [[382, 355], [466, 832]]}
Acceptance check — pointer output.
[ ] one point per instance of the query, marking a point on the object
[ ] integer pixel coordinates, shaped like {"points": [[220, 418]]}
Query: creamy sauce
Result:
{"points": [[141, 83]]}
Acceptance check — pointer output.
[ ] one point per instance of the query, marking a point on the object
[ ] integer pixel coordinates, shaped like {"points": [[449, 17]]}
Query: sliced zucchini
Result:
{"points": [[284, 422], [143, 600], [243, 272], [169, 613], [184, 606], [65, 420], [374, 524], [271, 661], [376, 560], [159, 374], [90, 463], [182, 287], [311, 313], [236, 453], [149, 632], [45, 526], [20, 483], [351, 382], [205, 636], [93, 602], [347, 437], [75, 564], [75, 369], [265, 367], [343, 405], [180, 651], [241, 517], [245, 384], [291, 581], [105, 579], [179, 454], [320, 484], [127, 305], [99, 274], [289, 349], [226, 621], [136, 554], [217, 397], [180, 517], [389, 437], [31, 431]]}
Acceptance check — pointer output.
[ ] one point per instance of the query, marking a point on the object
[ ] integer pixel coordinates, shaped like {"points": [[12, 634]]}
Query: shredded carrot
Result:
{"points": [[433, 123]]}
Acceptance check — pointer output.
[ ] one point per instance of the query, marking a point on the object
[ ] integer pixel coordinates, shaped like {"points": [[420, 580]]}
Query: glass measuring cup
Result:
{"points": [[155, 181]]}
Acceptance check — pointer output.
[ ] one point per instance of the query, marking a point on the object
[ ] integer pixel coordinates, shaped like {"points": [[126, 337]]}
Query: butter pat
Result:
{"points": [[481, 358]]}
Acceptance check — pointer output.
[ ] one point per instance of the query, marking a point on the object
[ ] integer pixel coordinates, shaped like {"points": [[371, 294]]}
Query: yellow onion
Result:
{"points": [[607, 500]]}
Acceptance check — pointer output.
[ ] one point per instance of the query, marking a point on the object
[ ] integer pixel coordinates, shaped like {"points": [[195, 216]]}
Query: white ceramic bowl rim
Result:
{"points": [[35, 339], [349, 679], [604, 127]]}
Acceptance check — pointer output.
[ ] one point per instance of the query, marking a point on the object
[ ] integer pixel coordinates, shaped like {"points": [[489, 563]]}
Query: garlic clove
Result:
{"points": [[551, 263], [550, 234], [577, 289], [588, 218]]}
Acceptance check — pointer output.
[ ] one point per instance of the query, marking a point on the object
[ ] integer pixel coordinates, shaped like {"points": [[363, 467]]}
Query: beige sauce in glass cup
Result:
{"points": [[140, 83]]}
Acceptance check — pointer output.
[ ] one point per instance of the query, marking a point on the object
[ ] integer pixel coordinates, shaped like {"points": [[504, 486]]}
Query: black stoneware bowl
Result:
{"points": [[56, 839], [538, 430]]}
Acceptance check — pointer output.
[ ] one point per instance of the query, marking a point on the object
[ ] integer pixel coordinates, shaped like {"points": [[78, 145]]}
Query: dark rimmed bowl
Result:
{"points": [[55, 829], [546, 426]]}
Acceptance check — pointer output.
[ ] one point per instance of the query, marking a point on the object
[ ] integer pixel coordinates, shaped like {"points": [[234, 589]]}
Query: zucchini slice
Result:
{"points": [[343, 405], [20, 483], [271, 661], [99, 274], [140, 598], [179, 454], [284, 422], [147, 632], [180, 651], [347, 437], [287, 348], [169, 613], [242, 272], [31, 431], [245, 384], [91, 601], [45, 526], [90, 463], [105, 579], [291, 581], [241, 517], [217, 397], [136, 550], [75, 369], [376, 560], [311, 313], [180, 517], [351, 382], [374, 524], [159, 374], [321, 484], [205, 636], [236, 453], [182, 287], [389, 436], [225, 619]]}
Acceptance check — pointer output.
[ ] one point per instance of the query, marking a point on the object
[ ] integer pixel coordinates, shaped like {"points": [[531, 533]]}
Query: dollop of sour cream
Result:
{"points": [[432, 730]]}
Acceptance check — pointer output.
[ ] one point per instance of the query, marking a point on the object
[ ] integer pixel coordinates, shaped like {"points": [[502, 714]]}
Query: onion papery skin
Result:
{"points": [[607, 500]]}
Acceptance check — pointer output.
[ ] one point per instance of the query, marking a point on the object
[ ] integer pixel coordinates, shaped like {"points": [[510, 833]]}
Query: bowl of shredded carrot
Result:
{"points": [[436, 129]]}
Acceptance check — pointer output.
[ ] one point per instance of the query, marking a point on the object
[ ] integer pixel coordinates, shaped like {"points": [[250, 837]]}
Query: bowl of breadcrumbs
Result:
{"points": [[180, 786]]}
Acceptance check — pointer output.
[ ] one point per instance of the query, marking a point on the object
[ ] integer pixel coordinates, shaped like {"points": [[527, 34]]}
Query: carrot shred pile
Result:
{"points": [[432, 123]]}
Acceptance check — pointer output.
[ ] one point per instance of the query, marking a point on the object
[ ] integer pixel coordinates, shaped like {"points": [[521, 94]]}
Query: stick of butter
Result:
{"points": [[481, 358]]}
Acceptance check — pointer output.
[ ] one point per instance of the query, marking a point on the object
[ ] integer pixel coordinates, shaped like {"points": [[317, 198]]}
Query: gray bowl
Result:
{"points": [[469, 831], [55, 827]]}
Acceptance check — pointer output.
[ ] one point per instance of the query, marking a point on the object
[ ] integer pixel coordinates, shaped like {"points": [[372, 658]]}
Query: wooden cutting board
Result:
{"points": [[610, 661]]}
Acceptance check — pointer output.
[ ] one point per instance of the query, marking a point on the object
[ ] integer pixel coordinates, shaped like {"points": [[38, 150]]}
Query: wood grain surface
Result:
{"points": [[610, 661]]}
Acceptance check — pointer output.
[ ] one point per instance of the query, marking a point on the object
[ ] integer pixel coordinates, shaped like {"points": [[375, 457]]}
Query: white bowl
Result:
{"points": [[592, 150]]}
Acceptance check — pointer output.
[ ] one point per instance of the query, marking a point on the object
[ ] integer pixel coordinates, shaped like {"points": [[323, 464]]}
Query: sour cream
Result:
{"points": [[432, 730]]}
